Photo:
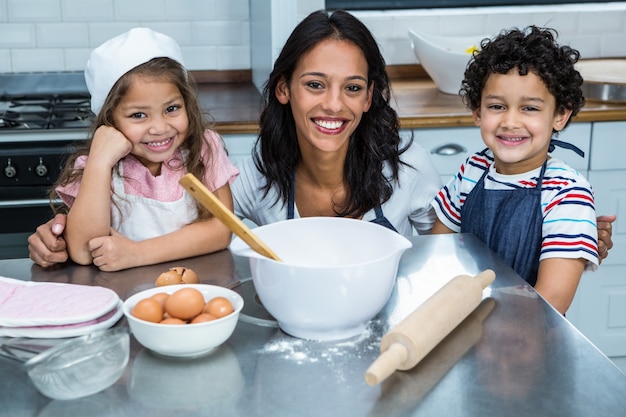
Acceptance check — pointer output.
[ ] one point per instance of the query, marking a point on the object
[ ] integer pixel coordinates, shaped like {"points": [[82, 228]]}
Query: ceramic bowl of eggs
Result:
{"points": [[183, 320]]}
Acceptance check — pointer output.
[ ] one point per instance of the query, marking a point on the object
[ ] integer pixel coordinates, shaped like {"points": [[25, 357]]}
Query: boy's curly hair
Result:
{"points": [[532, 49]]}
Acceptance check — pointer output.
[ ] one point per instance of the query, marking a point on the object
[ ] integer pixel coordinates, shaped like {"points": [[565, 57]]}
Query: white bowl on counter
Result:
{"points": [[336, 274], [184, 340], [444, 57]]}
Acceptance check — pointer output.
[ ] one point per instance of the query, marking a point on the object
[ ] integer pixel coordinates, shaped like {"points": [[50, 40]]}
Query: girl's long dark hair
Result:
{"points": [[375, 142]]}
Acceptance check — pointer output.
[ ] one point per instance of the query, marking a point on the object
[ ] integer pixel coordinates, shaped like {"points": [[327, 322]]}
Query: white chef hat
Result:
{"points": [[115, 57]]}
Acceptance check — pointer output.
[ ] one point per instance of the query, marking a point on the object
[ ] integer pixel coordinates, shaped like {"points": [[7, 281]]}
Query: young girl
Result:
{"points": [[535, 211], [126, 207]]}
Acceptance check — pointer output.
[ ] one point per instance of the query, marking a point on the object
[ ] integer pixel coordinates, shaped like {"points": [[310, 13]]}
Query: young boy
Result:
{"points": [[535, 211]]}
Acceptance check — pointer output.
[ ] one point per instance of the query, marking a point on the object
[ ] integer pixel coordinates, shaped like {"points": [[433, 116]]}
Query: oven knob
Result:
{"points": [[41, 170], [9, 170]]}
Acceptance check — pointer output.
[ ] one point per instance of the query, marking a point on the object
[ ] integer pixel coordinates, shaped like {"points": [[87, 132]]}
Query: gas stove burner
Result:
{"points": [[47, 111], [52, 100], [8, 120], [253, 311]]}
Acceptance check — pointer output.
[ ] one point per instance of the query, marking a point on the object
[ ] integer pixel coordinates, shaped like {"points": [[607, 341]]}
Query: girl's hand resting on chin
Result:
{"points": [[109, 145]]}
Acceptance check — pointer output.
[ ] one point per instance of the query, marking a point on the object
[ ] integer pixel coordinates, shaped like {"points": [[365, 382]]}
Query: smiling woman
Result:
{"points": [[329, 142]]}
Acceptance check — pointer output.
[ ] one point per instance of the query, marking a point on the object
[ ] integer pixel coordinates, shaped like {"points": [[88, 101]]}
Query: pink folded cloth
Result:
{"points": [[66, 330], [30, 304]]}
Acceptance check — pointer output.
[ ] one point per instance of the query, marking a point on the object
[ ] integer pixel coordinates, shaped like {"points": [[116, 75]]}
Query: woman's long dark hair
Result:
{"points": [[374, 143]]}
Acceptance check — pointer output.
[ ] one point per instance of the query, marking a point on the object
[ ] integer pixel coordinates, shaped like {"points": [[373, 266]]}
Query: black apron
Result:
{"points": [[380, 217]]}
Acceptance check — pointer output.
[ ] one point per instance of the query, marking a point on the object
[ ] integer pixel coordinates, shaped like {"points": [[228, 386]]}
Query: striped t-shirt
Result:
{"points": [[569, 218]]}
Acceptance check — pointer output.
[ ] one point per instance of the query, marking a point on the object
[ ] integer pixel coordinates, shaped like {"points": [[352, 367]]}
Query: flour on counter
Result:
{"points": [[311, 351]]}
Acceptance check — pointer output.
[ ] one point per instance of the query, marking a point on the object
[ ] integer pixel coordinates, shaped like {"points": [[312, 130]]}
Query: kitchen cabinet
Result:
{"points": [[239, 146], [599, 308], [447, 147]]}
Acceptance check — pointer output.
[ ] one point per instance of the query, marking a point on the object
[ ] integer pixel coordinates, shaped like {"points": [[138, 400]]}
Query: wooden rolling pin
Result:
{"points": [[401, 393], [407, 343]]}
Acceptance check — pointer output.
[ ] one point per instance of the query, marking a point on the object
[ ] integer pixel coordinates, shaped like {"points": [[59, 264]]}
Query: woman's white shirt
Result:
{"points": [[408, 209]]}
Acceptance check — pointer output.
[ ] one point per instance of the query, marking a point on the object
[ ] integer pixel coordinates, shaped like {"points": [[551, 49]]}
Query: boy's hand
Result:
{"points": [[605, 233]]}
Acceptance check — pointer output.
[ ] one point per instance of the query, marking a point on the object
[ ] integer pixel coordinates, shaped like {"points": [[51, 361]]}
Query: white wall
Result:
{"points": [[57, 35]]}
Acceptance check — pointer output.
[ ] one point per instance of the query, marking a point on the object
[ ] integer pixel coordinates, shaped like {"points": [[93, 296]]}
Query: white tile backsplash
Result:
{"points": [[233, 57], [57, 35], [23, 60], [34, 10], [75, 58], [62, 35], [209, 10], [3, 11], [144, 10], [179, 31], [613, 44], [5, 60], [17, 35], [190, 9], [53, 35], [200, 56], [87, 10], [596, 30], [223, 32]]}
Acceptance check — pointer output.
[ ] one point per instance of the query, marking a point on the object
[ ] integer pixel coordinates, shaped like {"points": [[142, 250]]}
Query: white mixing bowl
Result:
{"points": [[444, 57], [336, 274]]}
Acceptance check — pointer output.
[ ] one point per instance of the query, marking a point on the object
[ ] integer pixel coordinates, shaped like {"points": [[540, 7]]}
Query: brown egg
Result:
{"points": [[148, 309], [170, 277], [161, 297], [202, 317], [188, 276], [172, 320], [177, 275], [185, 303], [218, 307]]}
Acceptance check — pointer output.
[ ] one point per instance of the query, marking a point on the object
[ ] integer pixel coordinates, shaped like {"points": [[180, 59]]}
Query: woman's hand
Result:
{"points": [[46, 246]]}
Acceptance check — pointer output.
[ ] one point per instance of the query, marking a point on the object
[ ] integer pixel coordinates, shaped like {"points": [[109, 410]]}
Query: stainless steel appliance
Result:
{"points": [[42, 116]]}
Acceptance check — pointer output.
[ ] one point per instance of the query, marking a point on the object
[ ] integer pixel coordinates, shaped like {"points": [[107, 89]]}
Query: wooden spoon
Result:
{"points": [[219, 210]]}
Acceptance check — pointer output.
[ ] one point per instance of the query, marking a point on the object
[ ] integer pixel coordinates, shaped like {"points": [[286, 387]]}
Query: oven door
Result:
{"points": [[24, 215], [28, 169], [20, 218]]}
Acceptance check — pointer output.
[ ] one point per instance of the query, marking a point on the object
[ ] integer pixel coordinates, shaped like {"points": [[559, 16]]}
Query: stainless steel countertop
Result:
{"points": [[522, 359]]}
